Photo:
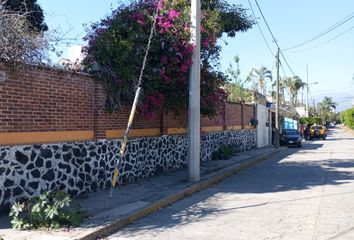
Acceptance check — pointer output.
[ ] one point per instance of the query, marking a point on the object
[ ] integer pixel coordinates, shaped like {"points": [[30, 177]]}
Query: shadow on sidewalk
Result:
{"points": [[279, 174]]}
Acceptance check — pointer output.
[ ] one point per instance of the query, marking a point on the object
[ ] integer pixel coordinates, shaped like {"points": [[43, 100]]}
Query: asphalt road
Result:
{"points": [[305, 193]]}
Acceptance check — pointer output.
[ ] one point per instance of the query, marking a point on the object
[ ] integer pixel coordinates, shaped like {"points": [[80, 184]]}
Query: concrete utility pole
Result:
{"points": [[278, 103], [194, 97], [353, 90]]}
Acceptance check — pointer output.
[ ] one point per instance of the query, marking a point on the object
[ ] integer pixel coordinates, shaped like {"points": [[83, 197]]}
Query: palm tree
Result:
{"points": [[329, 103], [260, 76], [326, 108], [293, 85]]}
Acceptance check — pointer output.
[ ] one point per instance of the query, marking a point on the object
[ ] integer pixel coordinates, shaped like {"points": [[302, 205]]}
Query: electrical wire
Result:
{"points": [[282, 68], [338, 24], [274, 39], [334, 38], [259, 27]]}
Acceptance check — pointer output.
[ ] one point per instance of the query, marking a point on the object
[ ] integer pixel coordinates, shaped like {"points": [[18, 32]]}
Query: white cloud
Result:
{"points": [[74, 53]]}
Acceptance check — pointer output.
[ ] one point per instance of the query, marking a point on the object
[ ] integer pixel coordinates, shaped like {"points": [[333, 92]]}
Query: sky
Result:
{"points": [[330, 58]]}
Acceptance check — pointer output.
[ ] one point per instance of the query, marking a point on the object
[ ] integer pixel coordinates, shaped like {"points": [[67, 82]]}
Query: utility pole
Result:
{"points": [[307, 90], [278, 102], [353, 90], [194, 97]]}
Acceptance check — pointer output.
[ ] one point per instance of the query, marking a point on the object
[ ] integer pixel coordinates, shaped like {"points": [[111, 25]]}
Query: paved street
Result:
{"points": [[303, 193]]}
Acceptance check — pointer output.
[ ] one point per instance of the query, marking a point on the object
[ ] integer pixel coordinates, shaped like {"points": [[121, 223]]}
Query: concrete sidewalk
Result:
{"points": [[133, 201]]}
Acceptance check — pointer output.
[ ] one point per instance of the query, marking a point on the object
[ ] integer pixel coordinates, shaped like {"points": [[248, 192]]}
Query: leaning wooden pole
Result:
{"points": [[123, 146], [125, 138]]}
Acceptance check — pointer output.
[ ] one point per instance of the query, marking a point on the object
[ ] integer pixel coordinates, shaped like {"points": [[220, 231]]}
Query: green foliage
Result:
{"points": [[292, 85], [347, 118], [326, 109], [48, 210], [31, 9], [311, 120], [225, 152], [259, 77], [236, 87], [117, 44]]}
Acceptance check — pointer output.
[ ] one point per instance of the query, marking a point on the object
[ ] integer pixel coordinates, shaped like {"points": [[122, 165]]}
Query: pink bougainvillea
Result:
{"points": [[117, 44]]}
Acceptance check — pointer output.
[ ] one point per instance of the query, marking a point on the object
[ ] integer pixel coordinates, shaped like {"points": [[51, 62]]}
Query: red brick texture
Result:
{"points": [[45, 99]]}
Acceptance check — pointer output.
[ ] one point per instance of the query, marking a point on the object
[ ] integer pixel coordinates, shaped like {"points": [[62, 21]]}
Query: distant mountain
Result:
{"points": [[344, 99]]}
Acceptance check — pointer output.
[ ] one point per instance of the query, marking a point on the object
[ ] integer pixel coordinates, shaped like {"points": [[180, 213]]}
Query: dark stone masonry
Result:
{"points": [[82, 167]]}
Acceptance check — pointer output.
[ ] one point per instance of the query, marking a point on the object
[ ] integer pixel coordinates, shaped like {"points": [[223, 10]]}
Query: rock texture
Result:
{"points": [[82, 167]]}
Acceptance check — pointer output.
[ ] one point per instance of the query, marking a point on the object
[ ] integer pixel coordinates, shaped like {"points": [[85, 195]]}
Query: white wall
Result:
{"points": [[262, 129]]}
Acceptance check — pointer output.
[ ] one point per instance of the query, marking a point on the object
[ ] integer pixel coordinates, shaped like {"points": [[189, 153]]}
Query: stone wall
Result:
{"points": [[82, 167]]}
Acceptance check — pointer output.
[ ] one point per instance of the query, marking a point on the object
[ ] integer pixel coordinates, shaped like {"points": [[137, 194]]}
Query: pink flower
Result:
{"points": [[189, 50], [206, 42], [167, 26], [173, 14], [166, 78], [141, 22], [184, 68]]}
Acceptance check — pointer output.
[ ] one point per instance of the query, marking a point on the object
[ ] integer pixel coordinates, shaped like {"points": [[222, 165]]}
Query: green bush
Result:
{"points": [[348, 118], [311, 120], [49, 210], [225, 152]]}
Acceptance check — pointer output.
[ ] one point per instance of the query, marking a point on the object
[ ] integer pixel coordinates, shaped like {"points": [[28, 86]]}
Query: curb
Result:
{"points": [[196, 187]]}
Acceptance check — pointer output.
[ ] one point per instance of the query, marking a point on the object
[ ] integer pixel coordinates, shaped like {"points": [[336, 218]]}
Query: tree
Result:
{"points": [[18, 43], [326, 109], [31, 10], [294, 84], [329, 104], [117, 45], [235, 88], [260, 76], [347, 117]]}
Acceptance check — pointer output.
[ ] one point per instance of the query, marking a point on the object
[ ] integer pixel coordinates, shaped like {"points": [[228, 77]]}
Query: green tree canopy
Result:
{"points": [[347, 117], [236, 87], [117, 45], [31, 9]]}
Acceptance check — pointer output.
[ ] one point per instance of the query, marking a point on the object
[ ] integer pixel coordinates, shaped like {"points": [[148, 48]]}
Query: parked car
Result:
{"points": [[318, 131], [290, 137], [331, 125]]}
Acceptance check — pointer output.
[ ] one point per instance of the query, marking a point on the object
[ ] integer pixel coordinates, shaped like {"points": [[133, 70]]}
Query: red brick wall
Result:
{"points": [[54, 100], [117, 120], [248, 114], [45, 100], [234, 114]]}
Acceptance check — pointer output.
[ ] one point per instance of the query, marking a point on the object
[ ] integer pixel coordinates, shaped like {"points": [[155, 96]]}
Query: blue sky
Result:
{"points": [[292, 22]]}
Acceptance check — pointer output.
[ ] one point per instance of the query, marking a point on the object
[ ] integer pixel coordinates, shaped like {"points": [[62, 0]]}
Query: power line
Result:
{"points": [[312, 74], [282, 68], [338, 24], [274, 39], [339, 35], [259, 27], [271, 33], [286, 61]]}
